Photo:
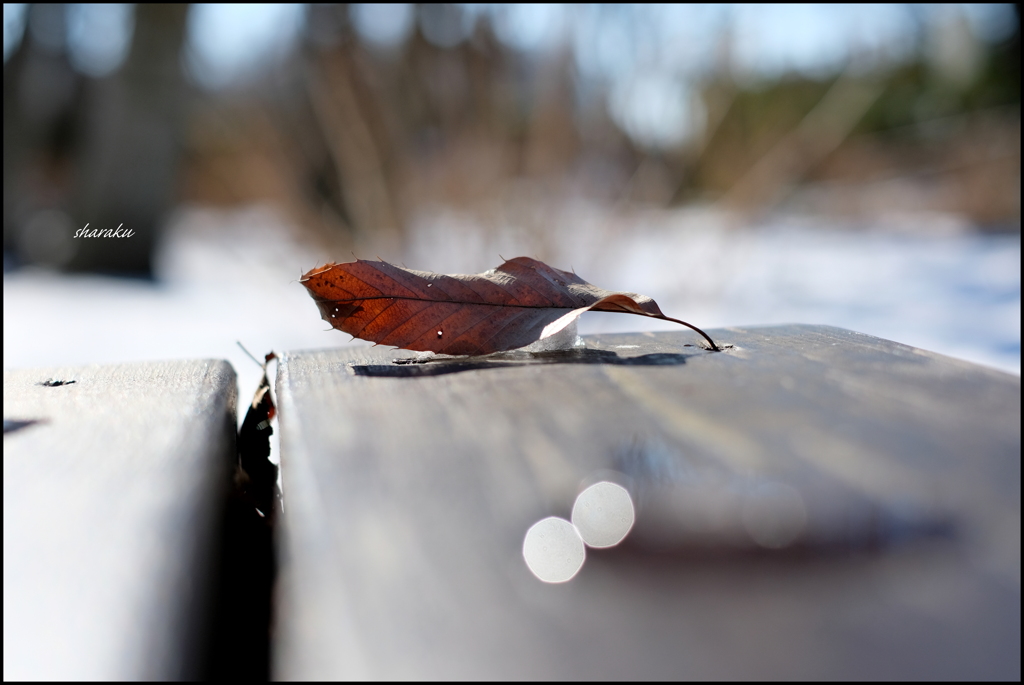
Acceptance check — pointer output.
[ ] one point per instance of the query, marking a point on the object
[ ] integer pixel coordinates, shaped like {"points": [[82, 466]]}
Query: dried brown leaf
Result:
{"points": [[513, 305]]}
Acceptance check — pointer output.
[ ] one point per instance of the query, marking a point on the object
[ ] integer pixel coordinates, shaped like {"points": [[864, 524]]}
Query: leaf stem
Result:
{"points": [[714, 347]]}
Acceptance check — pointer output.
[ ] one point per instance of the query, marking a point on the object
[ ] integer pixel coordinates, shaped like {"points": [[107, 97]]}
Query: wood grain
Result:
{"points": [[111, 502], [409, 487]]}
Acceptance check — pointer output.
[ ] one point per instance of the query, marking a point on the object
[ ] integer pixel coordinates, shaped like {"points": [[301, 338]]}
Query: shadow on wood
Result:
{"points": [[442, 364]]}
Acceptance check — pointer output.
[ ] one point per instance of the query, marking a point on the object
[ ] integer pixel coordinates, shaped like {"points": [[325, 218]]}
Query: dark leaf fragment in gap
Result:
{"points": [[256, 475]]}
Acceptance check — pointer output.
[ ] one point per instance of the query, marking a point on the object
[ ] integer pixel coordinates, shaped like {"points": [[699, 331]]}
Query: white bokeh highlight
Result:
{"points": [[603, 514], [553, 550]]}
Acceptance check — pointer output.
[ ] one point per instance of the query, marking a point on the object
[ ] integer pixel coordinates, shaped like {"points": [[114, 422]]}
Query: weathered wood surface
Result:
{"points": [[408, 490], [111, 504]]}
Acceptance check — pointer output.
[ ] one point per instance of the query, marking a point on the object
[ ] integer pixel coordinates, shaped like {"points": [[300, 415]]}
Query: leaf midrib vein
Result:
{"points": [[437, 301]]}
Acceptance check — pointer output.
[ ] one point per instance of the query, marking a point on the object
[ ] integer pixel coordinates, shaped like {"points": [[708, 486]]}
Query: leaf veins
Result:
{"points": [[513, 305]]}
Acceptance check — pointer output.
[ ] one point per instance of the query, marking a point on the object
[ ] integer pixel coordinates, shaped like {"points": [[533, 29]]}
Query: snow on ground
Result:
{"points": [[232, 275], [224, 277], [924, 281]]}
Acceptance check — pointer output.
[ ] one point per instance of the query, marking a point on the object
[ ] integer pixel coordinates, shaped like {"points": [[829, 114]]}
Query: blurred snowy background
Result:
{"points": [[857, 166]]}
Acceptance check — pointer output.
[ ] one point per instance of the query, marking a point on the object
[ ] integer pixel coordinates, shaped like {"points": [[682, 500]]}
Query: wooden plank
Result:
{"points": [[408, 490], [111, 505]]}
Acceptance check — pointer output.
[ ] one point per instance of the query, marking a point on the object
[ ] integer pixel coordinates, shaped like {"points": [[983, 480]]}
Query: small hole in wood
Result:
{"points": [[55, 383]]}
